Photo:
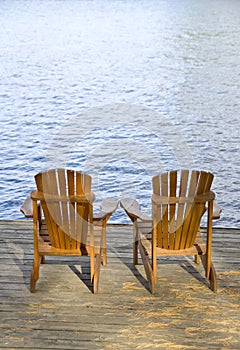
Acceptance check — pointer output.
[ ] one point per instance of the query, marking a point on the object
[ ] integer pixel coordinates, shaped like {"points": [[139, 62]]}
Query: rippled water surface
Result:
{"points": [[122, 90]]}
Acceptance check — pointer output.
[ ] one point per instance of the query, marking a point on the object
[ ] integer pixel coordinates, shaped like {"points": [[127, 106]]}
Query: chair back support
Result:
{"points": [[66, 206], [178, 204]]}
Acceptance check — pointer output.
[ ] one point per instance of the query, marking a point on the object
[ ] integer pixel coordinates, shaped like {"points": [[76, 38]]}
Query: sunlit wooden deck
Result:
{"points": [[64, 314]]}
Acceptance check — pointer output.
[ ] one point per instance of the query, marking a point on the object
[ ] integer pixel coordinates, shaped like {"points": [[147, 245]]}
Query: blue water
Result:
{"points": [[122, 90]]}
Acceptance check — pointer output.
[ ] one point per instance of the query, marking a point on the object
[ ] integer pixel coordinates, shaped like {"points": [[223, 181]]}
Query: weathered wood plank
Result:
{"points": [[64, 314]]}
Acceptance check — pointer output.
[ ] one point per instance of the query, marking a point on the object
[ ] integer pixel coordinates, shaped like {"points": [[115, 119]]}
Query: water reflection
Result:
{"points": [[180, 59]]}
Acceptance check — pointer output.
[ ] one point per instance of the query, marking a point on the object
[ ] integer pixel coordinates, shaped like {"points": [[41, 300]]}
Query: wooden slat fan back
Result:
{"points": [[67, 221], [178, 217]]}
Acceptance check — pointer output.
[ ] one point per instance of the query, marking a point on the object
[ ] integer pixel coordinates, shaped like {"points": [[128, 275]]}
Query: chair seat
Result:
{"points": [[145, 236], [45, 247]]}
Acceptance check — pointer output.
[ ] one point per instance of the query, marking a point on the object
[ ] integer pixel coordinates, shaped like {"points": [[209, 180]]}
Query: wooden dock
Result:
{"points": [[64, 314]]}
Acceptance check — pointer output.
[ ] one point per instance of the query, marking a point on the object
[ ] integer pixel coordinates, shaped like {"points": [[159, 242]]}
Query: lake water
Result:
{"points": [[122, 90]]}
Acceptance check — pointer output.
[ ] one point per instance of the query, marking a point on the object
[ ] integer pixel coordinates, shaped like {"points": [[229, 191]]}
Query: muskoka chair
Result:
{"points": [[179, 200], [63, 222]]}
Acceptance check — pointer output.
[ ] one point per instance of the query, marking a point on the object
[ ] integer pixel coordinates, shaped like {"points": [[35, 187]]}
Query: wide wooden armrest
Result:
{"points": [[216, 211], [107, 207], [26, 208], [132, 208], [37, 195]]}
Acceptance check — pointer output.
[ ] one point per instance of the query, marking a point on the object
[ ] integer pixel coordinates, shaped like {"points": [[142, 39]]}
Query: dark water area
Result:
{"points": [[121, 90]]}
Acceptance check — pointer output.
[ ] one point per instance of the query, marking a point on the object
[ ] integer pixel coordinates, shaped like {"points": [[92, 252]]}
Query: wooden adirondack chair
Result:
{"points": [[179, 200], [67, 227]]}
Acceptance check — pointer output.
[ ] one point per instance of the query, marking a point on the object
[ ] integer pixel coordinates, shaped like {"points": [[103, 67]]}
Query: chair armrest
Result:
{"points": [[132, 208], [107, 208], [26, 208], [216, 211]]}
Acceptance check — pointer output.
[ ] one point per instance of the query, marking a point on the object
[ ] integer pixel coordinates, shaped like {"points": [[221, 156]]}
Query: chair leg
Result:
{"points": [[104, 244], [92, 263], [104, 256], [135, 253], [213, 278], [135, 244], [32, 281], [96, 273], [35, 272], [212, 275], [197, 259], [147, 268]]}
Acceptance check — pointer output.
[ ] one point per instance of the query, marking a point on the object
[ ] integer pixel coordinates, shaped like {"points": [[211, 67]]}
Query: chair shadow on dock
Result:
{"points": [[20, 259], [76, 266], [184, 263], [84, 275]]}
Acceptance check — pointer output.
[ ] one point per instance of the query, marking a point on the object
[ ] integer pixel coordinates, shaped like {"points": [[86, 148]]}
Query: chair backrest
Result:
{"points": [[178, 203], [66, 207]]}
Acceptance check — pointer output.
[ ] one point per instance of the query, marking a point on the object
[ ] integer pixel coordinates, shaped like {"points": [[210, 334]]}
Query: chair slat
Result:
{"points": [[172, 222], [165, 218], [72, 207], [64, 206], [192, 185], [56, 207], [180, 213], [157, 213], [42, 185], [204, 185], [208, 183], [80, 237]]}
